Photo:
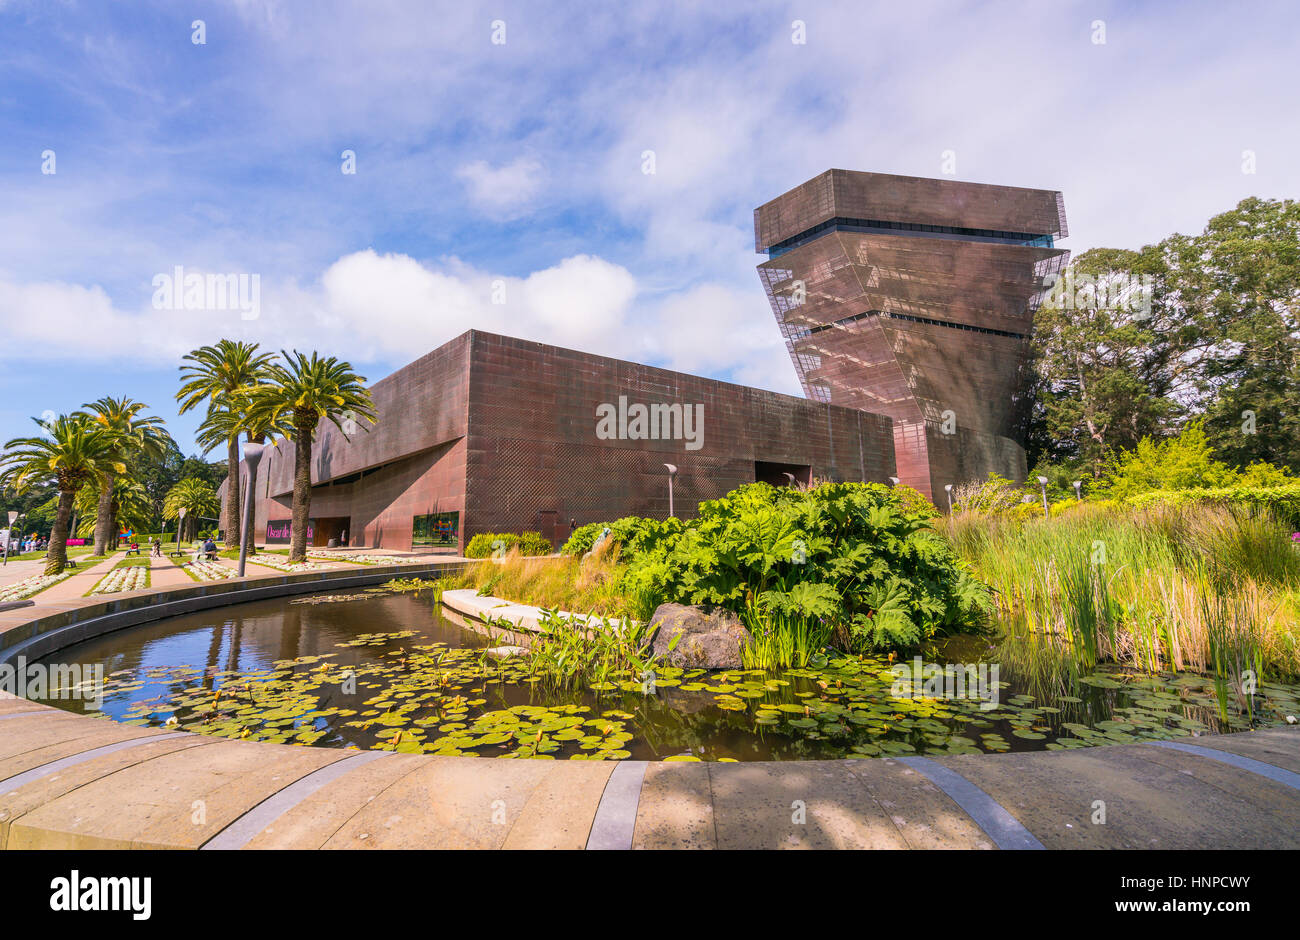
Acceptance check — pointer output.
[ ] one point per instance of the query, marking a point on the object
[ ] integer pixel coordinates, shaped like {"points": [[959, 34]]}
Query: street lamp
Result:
{"points": [[672, 472], [894, 480], [948, 487], [13, 517], [1042, 481], [252, 457], [1078, 493]]}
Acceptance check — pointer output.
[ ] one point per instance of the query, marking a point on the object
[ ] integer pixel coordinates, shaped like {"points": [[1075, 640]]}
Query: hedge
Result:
{"points": [[1282, 501], [530, 543]]}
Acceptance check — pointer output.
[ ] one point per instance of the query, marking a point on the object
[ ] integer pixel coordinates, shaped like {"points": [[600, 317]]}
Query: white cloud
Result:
{"points": [[391, 308], [506, 191], [365, 306]]}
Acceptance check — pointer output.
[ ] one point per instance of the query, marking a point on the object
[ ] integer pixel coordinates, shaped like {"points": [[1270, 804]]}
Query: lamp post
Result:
{"points": [[13, 517], [894, 480], [948, 487], [1078, 492], [672, 472], [1042, 481], [252, 457]]}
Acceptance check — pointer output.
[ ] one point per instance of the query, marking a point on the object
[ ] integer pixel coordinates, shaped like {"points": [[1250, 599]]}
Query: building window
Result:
{"points": [[436, 530]]}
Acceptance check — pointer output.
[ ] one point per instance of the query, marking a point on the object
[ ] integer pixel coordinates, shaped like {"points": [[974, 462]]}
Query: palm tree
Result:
{"points": [[132, 434], [230, 416], [73, 451], [193, 495], [212, 375], [300, 393], [129, 505]]}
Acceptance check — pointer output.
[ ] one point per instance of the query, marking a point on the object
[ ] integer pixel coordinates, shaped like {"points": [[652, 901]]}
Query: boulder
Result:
{"points": [[709, 639]]}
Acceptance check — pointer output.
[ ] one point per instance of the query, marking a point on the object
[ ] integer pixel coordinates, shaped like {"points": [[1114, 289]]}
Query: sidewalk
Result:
{"points": [[83, 578]]}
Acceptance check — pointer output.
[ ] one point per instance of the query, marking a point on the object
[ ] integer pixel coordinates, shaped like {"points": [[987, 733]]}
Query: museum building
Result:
{"points": [[906, 305]]}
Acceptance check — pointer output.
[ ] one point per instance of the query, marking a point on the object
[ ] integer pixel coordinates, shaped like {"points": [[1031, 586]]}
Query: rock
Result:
{"points": [[506, 652], [710, 640]]}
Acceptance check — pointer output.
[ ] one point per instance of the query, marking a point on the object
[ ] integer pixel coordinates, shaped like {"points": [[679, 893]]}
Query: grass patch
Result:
{"points": [[590, 586], [1209, 589]]}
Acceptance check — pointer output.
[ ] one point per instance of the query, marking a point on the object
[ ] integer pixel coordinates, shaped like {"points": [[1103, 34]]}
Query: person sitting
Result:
{"points": [[133, 548], [210, 549]]}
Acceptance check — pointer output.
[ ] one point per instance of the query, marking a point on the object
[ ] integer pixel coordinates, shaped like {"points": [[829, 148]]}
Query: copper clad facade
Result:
{"points": [[504, 431], [914, 298]]}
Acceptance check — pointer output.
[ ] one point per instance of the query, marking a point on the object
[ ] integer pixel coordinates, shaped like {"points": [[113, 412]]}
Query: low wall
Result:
{"points": [[74, 622]]}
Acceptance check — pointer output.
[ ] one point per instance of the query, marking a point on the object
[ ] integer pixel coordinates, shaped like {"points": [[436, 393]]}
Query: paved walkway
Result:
{"points": [[83, 578], [77, 783], [16, 571]]}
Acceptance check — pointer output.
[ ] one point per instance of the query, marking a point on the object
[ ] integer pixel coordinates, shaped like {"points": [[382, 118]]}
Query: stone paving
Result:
{"points": [[77, 783], [69, 781]]}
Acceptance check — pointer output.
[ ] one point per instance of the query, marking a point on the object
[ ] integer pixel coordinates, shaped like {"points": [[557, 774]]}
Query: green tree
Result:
{"points": [[211, 376], [72, 451], [299, 394], [1183, 462], [1109, 358], [129, 505], [228, 418], [196, 497], [1240, 279], [133, 436]]}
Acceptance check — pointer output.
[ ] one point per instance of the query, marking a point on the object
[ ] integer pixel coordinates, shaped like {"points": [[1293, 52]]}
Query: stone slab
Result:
{"points": [[312, 823], [1148, 804], [559, 812], [756, 806], [676, 808], [450, 803], [925, 816], [176, 800], [15, 803]]}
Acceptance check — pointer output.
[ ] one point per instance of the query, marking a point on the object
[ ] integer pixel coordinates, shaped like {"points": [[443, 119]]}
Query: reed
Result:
{"points": [[1204, 588], [591, 585]]}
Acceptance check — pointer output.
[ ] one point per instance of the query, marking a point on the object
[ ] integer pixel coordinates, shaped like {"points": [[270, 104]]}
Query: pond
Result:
{"points": [[393, 670]]}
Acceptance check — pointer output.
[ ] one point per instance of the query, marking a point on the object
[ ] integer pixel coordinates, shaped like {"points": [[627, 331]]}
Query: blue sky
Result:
{"points": [[518, 166]]}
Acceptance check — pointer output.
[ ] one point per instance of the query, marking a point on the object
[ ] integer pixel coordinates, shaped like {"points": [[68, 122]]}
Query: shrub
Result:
{"points": [[635, 533], [914, 501], [532, 543], [1281, 501], [996, 494], [850, 555], [485, 544]]}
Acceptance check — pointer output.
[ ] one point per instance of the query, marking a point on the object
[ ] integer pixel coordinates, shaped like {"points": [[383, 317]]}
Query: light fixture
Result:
{"points": [[672, 472], [1078, 491], [252, 457], [948, 487], [1042, 481]]}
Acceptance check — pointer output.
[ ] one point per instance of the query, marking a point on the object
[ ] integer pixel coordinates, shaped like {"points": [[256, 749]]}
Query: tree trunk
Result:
{"points": [[301, 491], [57, 554], [230, 510], [104, 516]]}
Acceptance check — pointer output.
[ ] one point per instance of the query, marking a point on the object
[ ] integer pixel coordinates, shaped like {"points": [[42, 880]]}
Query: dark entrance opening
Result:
{"points": [[776, 473], [330, 528]]}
